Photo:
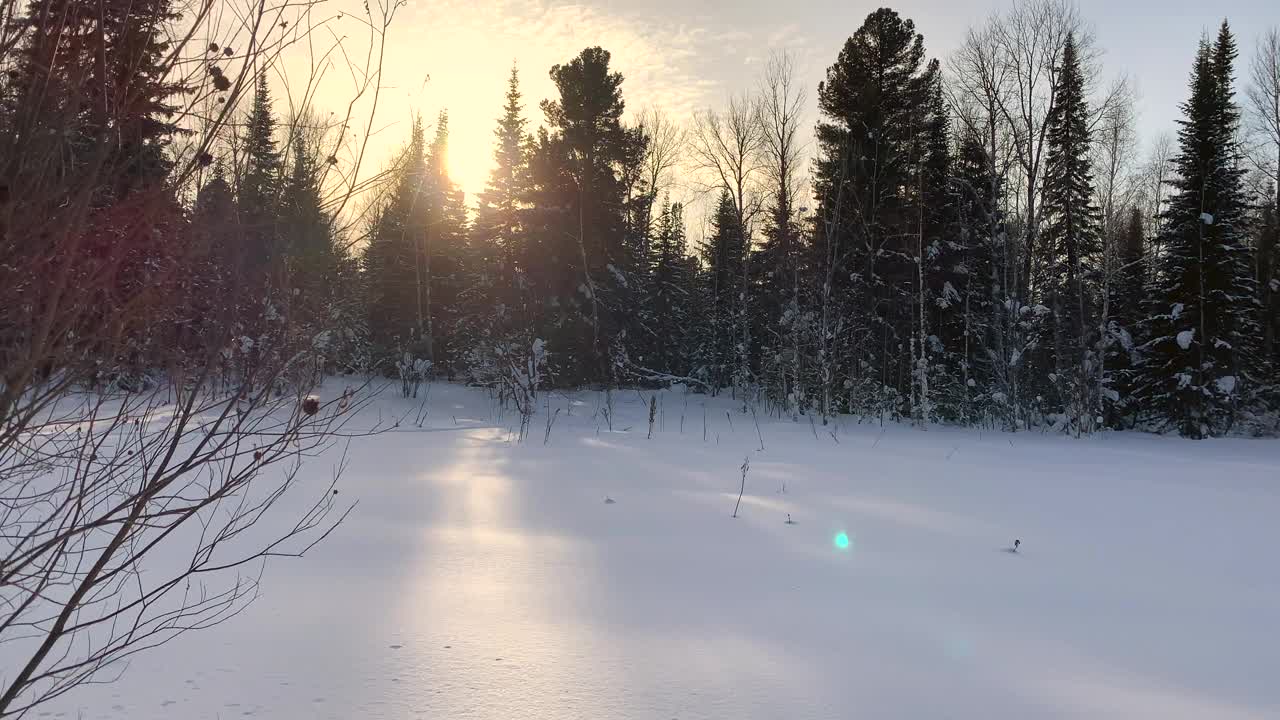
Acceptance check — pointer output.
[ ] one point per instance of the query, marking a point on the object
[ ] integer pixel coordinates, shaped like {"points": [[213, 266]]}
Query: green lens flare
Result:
{"points": [[842, 541]]}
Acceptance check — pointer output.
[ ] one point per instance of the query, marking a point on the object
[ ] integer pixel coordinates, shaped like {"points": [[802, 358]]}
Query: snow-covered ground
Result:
{"points": [[481, 578]]}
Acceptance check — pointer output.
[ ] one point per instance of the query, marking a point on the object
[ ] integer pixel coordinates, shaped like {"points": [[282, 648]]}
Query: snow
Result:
{"points": [[1185, 339], [1206, 218], [601, 576]]}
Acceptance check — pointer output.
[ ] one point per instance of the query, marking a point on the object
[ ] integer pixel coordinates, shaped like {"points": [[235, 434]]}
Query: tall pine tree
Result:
{"points": [[868, 220], [723, 257], [1200, 327], [446, 252], [393, 263], [576, 247], [259, 186], [1072, 237], [496, 314]]}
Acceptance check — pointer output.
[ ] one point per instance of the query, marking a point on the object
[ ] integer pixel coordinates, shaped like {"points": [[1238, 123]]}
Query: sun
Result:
{"points": [[470, 154]]}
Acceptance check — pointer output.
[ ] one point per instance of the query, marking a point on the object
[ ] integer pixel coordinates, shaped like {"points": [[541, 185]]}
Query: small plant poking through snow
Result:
{"points": [[653, 412], [746, 465], [413, 371]]}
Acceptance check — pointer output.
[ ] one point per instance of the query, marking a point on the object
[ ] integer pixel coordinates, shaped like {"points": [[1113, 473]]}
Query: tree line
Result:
{"points": [[974, 241], [975, 244]]}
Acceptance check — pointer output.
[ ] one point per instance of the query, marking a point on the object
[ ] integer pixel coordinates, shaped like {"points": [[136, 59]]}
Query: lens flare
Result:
{"points": [[842, 541]]}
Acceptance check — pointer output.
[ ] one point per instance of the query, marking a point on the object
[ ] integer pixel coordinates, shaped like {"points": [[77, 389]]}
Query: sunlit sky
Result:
{"points": [[683, 55]]}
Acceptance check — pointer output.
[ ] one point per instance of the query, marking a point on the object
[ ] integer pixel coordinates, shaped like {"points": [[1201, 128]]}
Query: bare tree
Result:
{"points": [[781, 108], [1031, 38], [1117, 188], [1263, 113], [132, 518], [726, 148], [131, 504], [1156, 173], [1264, 107], [978, 85], [1115, 147], [663, 154]]}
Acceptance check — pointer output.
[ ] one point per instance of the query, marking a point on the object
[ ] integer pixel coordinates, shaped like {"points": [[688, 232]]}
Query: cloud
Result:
{"points": [[660, 60], [466, 48], [457, 54]]}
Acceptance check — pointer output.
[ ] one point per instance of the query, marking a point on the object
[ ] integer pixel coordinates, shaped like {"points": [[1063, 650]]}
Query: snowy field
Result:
{"points": [[481, 578]]}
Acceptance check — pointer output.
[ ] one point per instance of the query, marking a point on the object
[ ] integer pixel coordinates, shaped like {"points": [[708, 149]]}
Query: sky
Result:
{"points": [[685, 55]]}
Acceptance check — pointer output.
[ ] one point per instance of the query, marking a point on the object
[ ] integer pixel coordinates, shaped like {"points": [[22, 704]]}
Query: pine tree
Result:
{"points": [[446, 256], [972, 329], [780, 272], [669, 297], [325, 303], [86, 119], [1071, 234], [393, 263], [935, 372], [868, 218], [576, 244], [100, 73], [497, 225], [1128, 295], [307, 233], [259, 185], [1200, 326], [723, 254], [497, 311], [214, 291]]}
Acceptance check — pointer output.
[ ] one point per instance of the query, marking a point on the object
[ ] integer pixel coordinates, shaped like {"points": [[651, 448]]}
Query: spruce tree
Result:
{"points": [[99, 72], [307, 233], [497, 225], [213, 294], [669, 297], [446, 255], [723, 254], [325, 302], [1128, 297], [936, 254], [780, 275], [259, 185], [1200, 326], [496, 314], [1071, 235], [86, 120], [971, 329], [393, 263]]}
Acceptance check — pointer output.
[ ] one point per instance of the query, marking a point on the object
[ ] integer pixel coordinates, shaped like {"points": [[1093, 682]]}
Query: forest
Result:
{"points": [[974, 243], [971, 239]]}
